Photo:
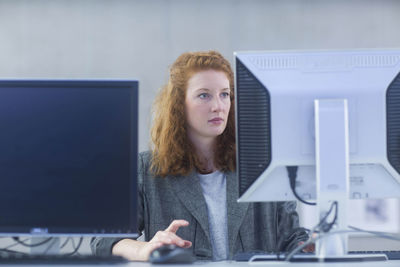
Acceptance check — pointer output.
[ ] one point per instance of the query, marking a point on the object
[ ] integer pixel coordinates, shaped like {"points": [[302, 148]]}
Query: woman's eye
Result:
{"points": [[225, 94], [203, 95]]}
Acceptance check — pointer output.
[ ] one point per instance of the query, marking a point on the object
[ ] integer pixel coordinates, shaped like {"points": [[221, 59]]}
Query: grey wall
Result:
{"points": [[141, 38]]}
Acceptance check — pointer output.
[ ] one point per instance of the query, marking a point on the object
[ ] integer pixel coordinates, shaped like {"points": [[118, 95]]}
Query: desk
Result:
{"points": [[394, 263], [278, 263]]}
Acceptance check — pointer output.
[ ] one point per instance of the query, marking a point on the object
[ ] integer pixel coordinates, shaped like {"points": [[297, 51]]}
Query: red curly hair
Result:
{"points": [[172, 151]]}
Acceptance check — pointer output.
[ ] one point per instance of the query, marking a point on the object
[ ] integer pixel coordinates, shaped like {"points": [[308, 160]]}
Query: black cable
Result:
{"points": [[76, 249], [340, 232], [292, 174], [65, 242], [12, 251], [322, 222], [53, 244], [41, 243], [15, 243], [16, 239], [323, 225]]}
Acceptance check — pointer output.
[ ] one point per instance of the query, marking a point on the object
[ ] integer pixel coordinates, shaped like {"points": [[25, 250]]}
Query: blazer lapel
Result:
{"points": [[190, 193], [236, 211]]}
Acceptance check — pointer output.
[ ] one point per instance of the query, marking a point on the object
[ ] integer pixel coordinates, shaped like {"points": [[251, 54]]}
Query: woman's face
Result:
{"points": [[207, 104]]}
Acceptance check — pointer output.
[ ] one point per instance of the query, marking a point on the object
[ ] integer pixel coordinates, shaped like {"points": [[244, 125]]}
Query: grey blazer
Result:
{"points": [[251, 226]]}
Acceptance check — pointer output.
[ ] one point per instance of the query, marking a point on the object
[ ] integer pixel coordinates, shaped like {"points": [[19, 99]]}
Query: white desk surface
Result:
{"points": [[277, 263], [393, 263]]}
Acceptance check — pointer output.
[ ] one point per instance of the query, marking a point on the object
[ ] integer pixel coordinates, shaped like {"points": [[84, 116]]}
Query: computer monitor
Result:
{"points": [[284, 103], [68, 157]]}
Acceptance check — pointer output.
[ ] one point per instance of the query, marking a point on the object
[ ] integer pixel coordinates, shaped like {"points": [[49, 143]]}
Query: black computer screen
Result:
{"points": [[68, 156]]}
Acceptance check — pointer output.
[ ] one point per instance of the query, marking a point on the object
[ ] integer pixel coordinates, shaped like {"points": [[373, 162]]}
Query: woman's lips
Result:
{"points": [[216, 120]]}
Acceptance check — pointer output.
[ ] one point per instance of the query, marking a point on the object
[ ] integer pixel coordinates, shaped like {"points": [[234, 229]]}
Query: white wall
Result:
{"points": [[140, 38]]}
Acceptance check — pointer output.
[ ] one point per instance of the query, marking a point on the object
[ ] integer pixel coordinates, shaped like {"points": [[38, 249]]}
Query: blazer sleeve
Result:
{"points": [[103, 245], [290, 234]]}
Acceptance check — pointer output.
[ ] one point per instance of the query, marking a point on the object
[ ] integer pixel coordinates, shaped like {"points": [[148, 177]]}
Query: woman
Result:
{"points": [[187, 183]]}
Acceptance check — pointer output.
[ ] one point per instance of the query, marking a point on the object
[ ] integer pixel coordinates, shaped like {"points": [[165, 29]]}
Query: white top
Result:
{"points": [[214, 191]]}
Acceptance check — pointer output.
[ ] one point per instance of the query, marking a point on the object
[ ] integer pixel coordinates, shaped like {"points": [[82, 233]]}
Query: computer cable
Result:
{"points": [[314, 239], [15, 243], [19, 242], [299, 233], [292, 174], [385, 235], [75, 248], [65, 242], [52, 243], [16, 239], [12, 251], [325, 226], [322, 226], [79, 244]]}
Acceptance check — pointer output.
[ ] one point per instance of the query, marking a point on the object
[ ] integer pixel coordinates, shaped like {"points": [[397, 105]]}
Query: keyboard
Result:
{"points": [[265, 256], [13, 258]]}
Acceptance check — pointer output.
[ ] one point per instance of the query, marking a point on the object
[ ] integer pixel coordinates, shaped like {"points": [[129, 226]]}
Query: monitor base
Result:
{"points": [[314, 258]]}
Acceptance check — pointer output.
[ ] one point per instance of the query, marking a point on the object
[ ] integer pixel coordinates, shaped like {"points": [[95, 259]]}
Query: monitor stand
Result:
{"points": [[332, 174]]}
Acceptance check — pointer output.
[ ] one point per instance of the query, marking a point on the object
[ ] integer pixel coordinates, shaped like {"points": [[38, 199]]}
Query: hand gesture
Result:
{"points": [[167, 236]]}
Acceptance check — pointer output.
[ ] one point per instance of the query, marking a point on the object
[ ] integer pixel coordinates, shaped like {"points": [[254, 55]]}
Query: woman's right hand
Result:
{"points": [[140, 251]]}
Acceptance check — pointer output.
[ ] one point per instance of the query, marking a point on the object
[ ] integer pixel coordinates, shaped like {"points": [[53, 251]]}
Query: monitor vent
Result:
{"points": [[375, 60], [270, 63], [253, 127], [329, 61], [393, 123]]}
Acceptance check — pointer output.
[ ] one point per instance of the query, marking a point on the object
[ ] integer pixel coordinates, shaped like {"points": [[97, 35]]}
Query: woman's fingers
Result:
{"points": [[170, 238], [187, 244], [138, 250], [175, 225]]}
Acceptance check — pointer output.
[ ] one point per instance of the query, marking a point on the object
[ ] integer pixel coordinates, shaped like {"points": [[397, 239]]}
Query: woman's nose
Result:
{"points": [[217, 104]]}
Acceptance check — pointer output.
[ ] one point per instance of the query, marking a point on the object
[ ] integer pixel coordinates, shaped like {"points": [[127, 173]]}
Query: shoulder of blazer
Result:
{"points": [[144, 161]]}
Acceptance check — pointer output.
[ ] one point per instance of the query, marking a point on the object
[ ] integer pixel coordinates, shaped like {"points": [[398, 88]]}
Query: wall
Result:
{"points": [[140, 39]]}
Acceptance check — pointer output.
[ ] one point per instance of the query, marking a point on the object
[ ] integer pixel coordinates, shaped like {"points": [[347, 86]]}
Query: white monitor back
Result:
{"points": [[368, 79]]}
